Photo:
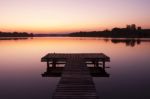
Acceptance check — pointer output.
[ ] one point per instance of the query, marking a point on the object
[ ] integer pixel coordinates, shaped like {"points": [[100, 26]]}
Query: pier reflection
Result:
{"points": [[55, 69]]}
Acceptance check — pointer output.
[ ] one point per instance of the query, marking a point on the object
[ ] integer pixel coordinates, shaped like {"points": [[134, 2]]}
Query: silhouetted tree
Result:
{"points": [[15, 34], [129, 32]]}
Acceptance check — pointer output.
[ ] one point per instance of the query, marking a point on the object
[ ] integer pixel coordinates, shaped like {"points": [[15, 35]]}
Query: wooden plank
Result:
{"points": [[64, 56], [76, 82]]}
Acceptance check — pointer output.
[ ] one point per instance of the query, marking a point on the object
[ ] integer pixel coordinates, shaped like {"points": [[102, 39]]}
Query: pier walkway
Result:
{"points": [[76, 80]]}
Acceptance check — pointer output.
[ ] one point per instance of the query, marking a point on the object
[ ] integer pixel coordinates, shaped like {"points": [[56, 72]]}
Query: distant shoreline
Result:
{"points": [[102, 34], [114, 33], [131, 31], [15, 34]]}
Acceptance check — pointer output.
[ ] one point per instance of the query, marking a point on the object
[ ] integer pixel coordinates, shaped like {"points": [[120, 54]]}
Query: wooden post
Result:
{"points": [[48, 65], [93, 62], [96, 63], [54, 63], [103, 64]]}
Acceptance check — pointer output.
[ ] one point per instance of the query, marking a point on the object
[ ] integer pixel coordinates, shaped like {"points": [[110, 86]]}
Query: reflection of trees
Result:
{"points": [[106, 40], [15, 38], [128, 42]]}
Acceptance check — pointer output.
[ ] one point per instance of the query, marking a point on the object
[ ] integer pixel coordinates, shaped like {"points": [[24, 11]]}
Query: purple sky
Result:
{"points": [[55, 16]]}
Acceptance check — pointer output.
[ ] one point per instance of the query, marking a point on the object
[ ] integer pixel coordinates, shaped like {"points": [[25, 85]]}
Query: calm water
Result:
{"points": [[21, 69]]}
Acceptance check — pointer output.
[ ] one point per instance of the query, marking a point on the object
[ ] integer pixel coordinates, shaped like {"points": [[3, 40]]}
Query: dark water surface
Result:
{"points": [[21, 67]]}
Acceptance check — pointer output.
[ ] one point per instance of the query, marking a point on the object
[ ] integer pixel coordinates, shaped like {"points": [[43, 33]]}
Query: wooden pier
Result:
{"points": [[76, 78]]}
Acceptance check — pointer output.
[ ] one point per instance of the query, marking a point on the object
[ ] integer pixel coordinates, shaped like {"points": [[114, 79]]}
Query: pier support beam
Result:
{"points": [[54, 63], [48, 67], [96, 64], [103, 64], [47, 64]]}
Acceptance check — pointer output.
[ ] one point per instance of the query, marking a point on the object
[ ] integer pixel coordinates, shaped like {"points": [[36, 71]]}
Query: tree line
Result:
{"points": [[15, 34], [128, 32]]}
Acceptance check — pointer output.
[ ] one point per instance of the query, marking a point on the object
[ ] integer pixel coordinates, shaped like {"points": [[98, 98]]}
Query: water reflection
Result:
{"points": [[20, 67], [129, 42], [15, 38]]}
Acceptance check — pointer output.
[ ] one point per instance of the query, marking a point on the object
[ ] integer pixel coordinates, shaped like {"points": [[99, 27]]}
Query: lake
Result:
{"points": [[21, 66]]}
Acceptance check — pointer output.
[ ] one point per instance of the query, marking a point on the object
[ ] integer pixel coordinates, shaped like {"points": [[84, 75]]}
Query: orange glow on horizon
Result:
{"points": [[57, 29], [64, 16]]}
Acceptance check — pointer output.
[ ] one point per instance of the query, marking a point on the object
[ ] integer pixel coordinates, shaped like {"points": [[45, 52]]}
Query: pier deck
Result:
{"points": [[76, 81]]}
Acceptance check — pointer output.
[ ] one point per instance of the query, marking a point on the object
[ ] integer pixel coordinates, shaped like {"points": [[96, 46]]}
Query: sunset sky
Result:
{"points": [[63, 16]]}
